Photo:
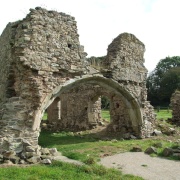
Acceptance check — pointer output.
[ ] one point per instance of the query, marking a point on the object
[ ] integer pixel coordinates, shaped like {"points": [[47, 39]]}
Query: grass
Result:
{"points": [[45, 116], [87, 148], [164, 114], [105, 115], [90, 150], [63, 171]]}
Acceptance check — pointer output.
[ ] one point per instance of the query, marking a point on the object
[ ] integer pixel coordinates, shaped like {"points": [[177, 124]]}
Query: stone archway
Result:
{"points": [[133, 112], [41, 58]]}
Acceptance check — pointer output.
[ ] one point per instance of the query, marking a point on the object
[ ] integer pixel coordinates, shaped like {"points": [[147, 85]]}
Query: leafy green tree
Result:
{"points": [[105, 103], [169, 83], [164, 80]]}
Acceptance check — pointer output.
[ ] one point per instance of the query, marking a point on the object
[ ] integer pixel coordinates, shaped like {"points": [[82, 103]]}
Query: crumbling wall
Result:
{"points": [[6, 61], [79, 109], [41, 60], [38, 53], [125, 63], [175, 103]]}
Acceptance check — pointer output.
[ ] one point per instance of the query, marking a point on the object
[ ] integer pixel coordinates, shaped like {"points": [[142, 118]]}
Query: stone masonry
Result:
{"points": [[44, 67], [175, 103]]}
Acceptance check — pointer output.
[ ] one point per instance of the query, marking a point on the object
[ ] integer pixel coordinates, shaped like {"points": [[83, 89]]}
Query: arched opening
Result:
{"points": [[80, 107], [105, 108]]}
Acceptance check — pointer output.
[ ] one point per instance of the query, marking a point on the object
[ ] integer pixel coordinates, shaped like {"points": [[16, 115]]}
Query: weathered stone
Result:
{"points": [[53, 151], [46, 161], [151, 150], [133, 137], [46, 156], [8, 162], [176, 155], [8, 154], [1, 158], [45, 151], [30, 154], [176, 150], [167, 152], [14, 159], [30, 149], [175, 103], [114, 140], [157, 132], [127, 136], [34, 159], [22, 161], [168, 131], [26, 143], [101, 123], [136, 149]]}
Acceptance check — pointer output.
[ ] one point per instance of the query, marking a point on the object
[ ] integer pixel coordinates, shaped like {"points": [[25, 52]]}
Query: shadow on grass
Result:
{"points": [[48, 139]]}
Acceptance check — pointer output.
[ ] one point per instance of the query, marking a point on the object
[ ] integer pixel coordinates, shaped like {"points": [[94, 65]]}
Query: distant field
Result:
{"points": [[105, 114], [164, 114]]}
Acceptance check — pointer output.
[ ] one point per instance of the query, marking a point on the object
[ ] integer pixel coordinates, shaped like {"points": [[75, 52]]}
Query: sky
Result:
{"points": [[154, 22]]}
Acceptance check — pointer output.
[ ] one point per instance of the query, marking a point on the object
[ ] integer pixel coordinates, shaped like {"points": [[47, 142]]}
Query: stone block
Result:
{"points": [[151, 150], [46, 161], [167, 152]]}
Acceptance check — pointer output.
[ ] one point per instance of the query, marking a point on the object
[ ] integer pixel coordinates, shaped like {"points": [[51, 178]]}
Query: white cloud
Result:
{"points": [[154, 22]]}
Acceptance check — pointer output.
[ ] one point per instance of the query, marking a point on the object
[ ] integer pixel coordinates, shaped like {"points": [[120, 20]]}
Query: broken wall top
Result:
{"points": [[48, 41], [125, 58]]}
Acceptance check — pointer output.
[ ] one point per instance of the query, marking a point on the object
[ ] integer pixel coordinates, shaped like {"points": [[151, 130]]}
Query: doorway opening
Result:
{"points": [[105, 108]]}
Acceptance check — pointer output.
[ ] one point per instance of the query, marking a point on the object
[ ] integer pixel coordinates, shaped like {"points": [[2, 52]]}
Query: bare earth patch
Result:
{"points": [[140, 164]]}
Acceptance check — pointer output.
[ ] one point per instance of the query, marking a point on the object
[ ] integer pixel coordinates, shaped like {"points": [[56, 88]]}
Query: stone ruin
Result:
{"points": [[44, 68], [175, 104]]}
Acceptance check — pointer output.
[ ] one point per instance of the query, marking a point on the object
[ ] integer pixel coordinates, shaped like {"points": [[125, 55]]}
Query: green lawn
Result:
{"points": [[90, 149], [105, 114], [62, 171], [87, 146], [84, 147], [164, 114]]}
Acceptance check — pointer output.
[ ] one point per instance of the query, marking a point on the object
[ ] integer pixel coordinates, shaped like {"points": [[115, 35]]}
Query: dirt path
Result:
{"points": [[140, 164]]}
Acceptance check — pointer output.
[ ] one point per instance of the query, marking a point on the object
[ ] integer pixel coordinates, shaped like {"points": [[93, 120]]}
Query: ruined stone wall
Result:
{"points": [[125, 63], [41, 58], [120, 119], [42, 51], [125, 58], [6, 61], [175, 103], [79, 109]]}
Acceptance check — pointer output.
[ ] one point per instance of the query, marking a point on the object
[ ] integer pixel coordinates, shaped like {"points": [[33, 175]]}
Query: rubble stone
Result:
{"points": [[167, 152], [34, 159], [46, 161], [151, 150]]}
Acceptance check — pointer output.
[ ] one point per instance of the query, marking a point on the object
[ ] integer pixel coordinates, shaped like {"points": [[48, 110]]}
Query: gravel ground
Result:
{"points": [[143, 165]]}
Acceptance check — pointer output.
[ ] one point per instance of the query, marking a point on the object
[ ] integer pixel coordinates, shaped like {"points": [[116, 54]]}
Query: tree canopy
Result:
{"points": [[164, 80]]}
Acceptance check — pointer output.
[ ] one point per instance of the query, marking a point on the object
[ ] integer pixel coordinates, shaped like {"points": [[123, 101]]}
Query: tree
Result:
{"points": [[164, 80], [169, 83], [105, 103]]}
